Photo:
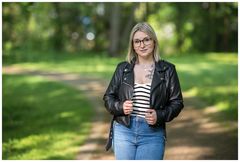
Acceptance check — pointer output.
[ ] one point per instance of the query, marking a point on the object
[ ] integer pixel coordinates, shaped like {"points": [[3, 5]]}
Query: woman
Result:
{"points": [[143, 95]]}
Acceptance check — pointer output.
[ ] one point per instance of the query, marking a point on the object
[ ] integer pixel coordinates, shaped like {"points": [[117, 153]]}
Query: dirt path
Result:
{"points": [[191, 136]]}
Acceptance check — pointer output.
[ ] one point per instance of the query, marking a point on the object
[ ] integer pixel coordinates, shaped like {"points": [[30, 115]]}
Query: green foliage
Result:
{"points": [[180, 27], [204, 27], [42, 119]]}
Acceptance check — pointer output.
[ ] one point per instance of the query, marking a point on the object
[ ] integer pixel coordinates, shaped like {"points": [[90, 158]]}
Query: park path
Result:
{"points": [[193, 135]]}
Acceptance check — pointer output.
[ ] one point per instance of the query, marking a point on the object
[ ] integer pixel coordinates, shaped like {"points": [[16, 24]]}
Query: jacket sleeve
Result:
{"points": [[175, 100], [111, 99]]}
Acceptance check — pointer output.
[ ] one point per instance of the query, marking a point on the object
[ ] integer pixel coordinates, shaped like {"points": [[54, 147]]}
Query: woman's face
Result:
{"points": [[143, 44]]}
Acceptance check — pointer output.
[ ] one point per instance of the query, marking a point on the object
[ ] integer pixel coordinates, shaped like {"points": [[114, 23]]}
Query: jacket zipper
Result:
{"points": [[128, 116], [131, 89]]}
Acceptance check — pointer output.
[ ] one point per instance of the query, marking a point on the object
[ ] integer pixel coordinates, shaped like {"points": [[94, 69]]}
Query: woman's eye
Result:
{"points": [[146, 39], [136, 41]]}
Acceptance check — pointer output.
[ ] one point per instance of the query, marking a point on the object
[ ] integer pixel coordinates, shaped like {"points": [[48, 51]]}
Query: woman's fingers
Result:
{"points": [[128, 103], [127, 107], [151, 116]]}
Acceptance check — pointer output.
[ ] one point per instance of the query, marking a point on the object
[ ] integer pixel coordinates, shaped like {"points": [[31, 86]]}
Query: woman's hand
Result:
{"points": [[151, 116], [127, 107]]}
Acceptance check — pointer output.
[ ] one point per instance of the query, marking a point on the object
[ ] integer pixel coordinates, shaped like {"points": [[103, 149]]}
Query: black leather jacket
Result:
{"points": [[165, 97]]}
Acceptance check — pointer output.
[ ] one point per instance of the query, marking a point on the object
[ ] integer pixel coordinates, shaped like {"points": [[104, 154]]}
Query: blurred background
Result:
{"points": [[42, 116], [105, 27]]}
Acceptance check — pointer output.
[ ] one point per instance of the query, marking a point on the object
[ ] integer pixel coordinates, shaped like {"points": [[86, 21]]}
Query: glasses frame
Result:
{"points": [[142, 41]]}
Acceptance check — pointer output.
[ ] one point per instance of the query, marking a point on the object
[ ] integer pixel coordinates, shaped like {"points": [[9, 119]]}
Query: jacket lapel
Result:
{"points": [[129, 74], [158, 75]]}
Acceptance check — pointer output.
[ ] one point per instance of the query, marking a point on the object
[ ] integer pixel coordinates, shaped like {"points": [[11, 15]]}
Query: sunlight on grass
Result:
{"points": [[196, 69], [45, 145], [224, 58], [191, 92], [209, 76], [56, 93], [73, 67], [46, 120], [66, 114], [223, 105]]}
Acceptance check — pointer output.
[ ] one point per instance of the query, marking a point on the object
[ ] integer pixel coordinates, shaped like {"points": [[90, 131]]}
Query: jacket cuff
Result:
{"points": [[160, 117], [119, 109]]}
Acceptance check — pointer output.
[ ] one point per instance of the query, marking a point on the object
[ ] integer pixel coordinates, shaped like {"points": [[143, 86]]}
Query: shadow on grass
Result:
{"points": [[213, 82], [40, 118], [197, 135]]}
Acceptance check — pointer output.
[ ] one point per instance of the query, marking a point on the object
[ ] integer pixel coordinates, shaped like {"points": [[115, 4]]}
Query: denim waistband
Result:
{"points": [[137, 118]]}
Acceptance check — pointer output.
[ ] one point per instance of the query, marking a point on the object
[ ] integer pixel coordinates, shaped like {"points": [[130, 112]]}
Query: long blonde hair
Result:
{"points": [[146, 28]]}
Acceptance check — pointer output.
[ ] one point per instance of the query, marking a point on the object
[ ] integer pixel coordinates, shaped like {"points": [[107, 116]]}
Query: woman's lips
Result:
{"points": [[143, 50]]}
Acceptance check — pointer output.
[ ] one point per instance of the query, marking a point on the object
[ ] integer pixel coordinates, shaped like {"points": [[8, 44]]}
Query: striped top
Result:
{"points": [[141, 99]]}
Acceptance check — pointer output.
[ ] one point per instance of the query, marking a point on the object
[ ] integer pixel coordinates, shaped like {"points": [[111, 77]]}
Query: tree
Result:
{"points": [[114, 29]]}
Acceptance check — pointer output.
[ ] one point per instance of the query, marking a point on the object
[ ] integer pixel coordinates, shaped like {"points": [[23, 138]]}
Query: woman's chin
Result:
{"points": [[144, 54]]}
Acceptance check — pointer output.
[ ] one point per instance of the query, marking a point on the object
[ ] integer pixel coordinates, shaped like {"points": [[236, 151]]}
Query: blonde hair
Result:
{"points": [[146, 28]]}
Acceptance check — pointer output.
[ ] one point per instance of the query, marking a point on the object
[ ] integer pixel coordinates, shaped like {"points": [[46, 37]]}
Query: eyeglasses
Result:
{"points": [[146, 42]]}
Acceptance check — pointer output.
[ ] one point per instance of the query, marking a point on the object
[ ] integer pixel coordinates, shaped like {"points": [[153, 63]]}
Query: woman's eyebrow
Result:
{"points": [[141, 39]]}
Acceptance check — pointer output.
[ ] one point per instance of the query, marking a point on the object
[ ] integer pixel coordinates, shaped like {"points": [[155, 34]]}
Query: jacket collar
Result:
{"points": [[159, 65], [158, 76]]}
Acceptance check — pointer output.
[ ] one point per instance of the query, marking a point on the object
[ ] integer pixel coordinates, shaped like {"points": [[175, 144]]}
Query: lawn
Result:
{"points": [[211, 77], [42, 119], [46, 120]]}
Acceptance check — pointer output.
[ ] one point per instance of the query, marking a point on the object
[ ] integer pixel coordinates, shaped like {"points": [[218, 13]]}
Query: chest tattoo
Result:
{"points": [[149, 75]]}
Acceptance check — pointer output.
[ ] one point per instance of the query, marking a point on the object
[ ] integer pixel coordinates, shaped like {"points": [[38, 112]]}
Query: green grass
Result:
{"points": [[42, 119], [209, 76], [95, 64], [212, 77]]}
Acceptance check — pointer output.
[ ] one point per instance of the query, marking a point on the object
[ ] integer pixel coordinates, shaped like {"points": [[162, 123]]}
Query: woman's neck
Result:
{"points": [[145, 61]]}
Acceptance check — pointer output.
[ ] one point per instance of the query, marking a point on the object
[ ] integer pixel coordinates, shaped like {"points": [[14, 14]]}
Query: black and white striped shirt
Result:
{"points": [[141, 99]]}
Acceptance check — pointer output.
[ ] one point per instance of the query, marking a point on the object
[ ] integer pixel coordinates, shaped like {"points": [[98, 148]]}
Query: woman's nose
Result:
{"points": [[142, 44]]}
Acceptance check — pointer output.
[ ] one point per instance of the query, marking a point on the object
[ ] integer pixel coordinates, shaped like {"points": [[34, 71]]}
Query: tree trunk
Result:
{"points": [[225, 34], [58, 34], [179, 23], [127, 28], [114, 29], [212, 27]]}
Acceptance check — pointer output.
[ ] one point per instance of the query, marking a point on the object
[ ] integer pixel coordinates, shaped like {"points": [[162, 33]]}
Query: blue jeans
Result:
{"points": [[139, 142]]}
